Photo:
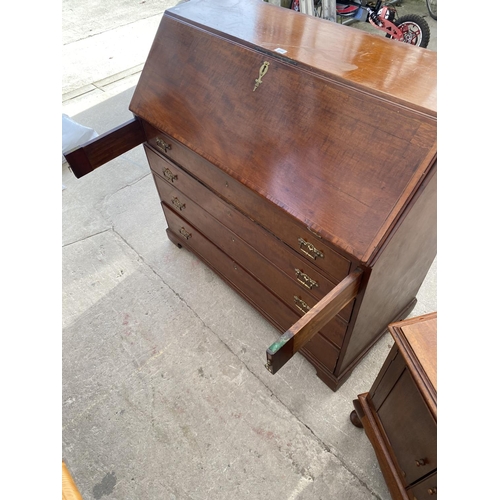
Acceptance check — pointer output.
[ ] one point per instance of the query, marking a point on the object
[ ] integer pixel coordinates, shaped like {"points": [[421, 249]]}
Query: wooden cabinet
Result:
{"points": [[399, 414], [297, 159]]}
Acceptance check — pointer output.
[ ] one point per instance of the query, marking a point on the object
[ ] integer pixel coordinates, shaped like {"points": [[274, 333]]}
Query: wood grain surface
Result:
{"points": [[416, 339], [339, 159], [354, 56], [104, 148], [69, 489], [312, 322]]}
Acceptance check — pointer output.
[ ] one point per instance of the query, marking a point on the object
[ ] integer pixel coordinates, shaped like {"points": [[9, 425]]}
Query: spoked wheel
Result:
{"points": [[415, 30], [432, 7]]}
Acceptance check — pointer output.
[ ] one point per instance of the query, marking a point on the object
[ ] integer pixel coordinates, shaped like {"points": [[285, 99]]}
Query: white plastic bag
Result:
{"points": [[74, 134]]}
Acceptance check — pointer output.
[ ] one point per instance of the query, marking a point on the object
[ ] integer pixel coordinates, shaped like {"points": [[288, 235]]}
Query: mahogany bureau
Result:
{"points": [[297, 159], [399, 414]]}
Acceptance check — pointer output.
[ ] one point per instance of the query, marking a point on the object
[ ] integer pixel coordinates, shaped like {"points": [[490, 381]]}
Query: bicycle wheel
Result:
{"points": [[432, 7], [415, 30]]}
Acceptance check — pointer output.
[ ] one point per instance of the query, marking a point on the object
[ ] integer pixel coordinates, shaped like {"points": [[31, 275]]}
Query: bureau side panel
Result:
{"points": [[397, 274]]}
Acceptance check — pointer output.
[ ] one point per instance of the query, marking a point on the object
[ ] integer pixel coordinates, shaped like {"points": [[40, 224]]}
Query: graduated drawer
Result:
{"points": [[425, 489], [295, 266], [410, 429], [276, 220], [287, 290], [254, 292]]}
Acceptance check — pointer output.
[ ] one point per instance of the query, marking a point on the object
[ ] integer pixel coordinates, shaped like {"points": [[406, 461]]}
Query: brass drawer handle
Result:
{"points": [[432, 491], [303, 279], [163, 145], [169, 175], [309, 249], [420, 462], [300, 304], [178, 204], [184, 233]]}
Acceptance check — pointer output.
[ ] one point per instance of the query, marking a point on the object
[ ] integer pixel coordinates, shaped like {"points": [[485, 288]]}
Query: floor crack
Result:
{"points": [[320, 442], [87, 237]]}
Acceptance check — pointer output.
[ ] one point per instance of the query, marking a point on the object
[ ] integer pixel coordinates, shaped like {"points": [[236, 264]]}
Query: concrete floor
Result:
{"points": [[165, 394]]}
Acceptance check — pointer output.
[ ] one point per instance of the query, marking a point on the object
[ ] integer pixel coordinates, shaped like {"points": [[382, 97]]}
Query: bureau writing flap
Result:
{"points": [[332, 154]]}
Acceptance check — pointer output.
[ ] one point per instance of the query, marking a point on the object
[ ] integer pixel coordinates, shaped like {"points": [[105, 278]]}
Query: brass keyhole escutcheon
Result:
{"points": [[262, 72]]}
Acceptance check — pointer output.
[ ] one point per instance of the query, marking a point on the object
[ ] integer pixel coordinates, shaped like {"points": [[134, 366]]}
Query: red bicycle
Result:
{"points": [[411, 28]]}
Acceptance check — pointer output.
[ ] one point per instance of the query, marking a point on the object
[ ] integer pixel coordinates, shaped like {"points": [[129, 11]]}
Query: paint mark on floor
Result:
{"points": [[105, 487]]}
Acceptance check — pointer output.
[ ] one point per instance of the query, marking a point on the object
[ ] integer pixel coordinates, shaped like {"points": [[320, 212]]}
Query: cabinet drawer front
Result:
{"points": [[309, 279], [296, 236], [231, 244], [425, 489], [410, 428], [258, 295], [323, 351]]}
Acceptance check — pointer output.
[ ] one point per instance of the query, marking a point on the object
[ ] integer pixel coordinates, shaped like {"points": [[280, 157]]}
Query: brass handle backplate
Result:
{"points": [[163, 145], [178, 204], [169, 175], [184, 233], [309, 249], [300, 304], [303, 279]]}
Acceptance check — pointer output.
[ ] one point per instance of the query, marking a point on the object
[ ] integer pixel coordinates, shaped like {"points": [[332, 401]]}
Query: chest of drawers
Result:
{"points": [[297, 159], [399, 414]]}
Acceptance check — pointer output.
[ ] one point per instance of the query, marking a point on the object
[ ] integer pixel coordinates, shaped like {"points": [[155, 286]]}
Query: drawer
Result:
{"points": [[270, 276], [309, 279], [425, 489], [323, 351], [410, 429], [254, 292], [267, 214]]}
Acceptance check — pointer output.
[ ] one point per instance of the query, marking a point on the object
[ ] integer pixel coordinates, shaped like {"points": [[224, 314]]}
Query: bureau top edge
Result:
{"points": [[398, 72]]}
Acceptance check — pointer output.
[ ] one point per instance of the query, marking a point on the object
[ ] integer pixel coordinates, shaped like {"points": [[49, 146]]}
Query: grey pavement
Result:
{"points": [[165, 394]]}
